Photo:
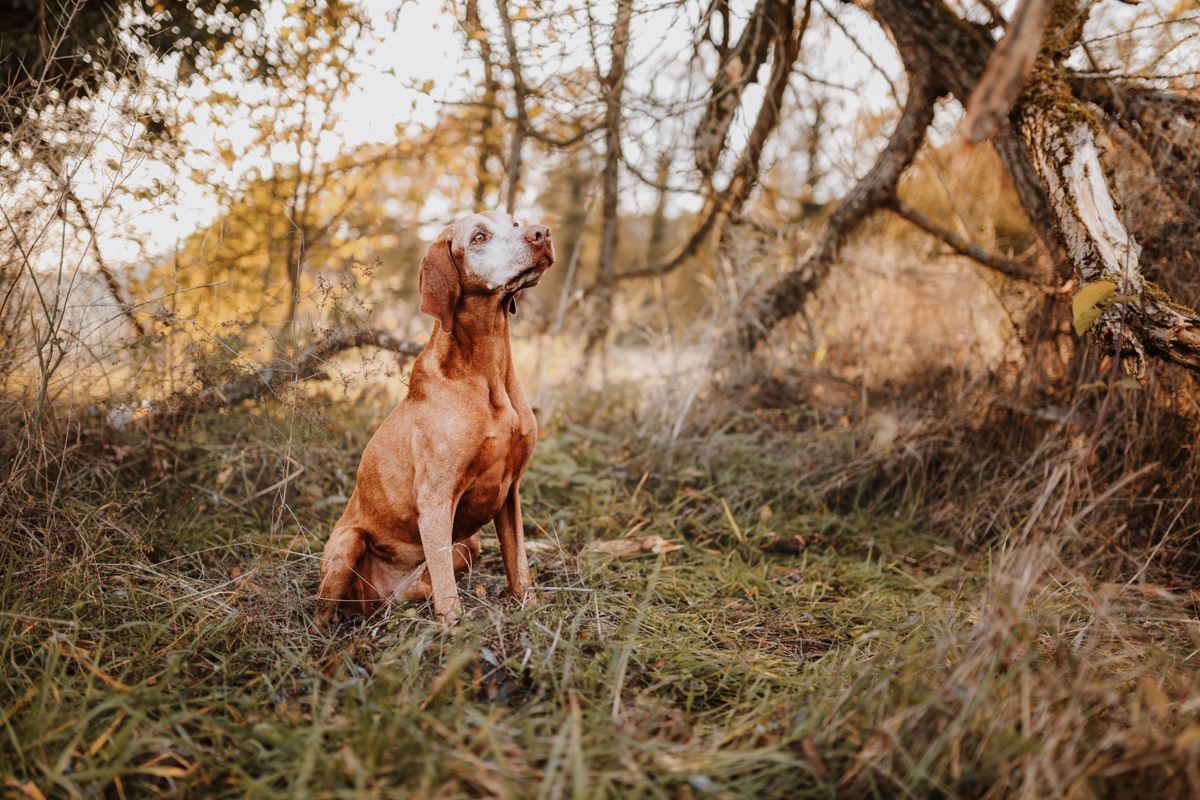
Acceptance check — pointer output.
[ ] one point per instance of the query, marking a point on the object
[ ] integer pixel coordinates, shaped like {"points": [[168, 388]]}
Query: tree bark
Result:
{"points": [[1049, 148], [487, 110], [1061, 135], [614, 87], [520, 95], [737, 70], [929, 35], [1166, 126]]}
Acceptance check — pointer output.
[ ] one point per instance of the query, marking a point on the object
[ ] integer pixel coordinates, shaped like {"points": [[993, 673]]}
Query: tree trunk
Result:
{"points": [[520, 95], [614, 87], [1049, 148], [1061, 135], [487, 109]]}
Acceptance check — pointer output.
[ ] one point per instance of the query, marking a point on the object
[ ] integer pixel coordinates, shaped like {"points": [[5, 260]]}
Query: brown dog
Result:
{"points": [[449, 458]]}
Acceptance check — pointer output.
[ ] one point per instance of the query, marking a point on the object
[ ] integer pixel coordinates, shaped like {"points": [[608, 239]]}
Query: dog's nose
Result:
{"points": [[537, 235]]}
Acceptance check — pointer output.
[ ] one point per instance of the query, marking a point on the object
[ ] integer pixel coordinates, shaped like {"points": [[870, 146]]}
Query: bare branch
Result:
{"points": [[721, 205], [786, 296], [1005, 266], [110, 280], [307, 365], [737, 70], [1007, 70], [520, 93]]}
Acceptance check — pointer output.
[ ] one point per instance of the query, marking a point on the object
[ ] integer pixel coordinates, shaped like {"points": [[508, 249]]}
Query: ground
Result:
{"points": [[834, 622]]}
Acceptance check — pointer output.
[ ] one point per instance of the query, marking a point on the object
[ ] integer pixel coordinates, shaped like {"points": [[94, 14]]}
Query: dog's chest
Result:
{"points": [[504, 450]]}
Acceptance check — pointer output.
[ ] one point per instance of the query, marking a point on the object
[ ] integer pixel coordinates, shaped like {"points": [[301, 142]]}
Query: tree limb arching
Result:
{"points": [[1049, 148], [787, 295], [308, 364], [929, 35]]}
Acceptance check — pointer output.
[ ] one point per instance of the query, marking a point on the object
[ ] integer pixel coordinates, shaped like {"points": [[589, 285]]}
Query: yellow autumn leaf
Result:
{"points": [[1085, 304]]}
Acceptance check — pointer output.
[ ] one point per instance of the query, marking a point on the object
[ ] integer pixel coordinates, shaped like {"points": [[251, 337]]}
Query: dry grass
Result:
{"points": [[974, 615]]}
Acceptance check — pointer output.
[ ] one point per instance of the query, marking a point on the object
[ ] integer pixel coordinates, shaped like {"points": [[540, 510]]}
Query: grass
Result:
{"points": [[939, 635]]}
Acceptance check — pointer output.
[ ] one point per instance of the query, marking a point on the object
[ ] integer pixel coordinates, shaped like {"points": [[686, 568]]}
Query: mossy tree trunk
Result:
{"points": [[1049, 147]]}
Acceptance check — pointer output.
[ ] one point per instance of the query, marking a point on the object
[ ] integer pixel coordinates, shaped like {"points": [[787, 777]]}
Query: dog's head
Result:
{"points": [[489, 253]]}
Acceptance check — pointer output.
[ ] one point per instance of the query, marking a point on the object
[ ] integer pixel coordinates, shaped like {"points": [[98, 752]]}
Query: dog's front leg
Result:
{"points": [[436, 523], [511, 534]]}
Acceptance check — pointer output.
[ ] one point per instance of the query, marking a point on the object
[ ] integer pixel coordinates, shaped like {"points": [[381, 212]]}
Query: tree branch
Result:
{"points": [[787, 295], [719, 206], [1005, 266], [307, 365], [1007, 71], [737, 70], [1165, 125], [1060, 133]]}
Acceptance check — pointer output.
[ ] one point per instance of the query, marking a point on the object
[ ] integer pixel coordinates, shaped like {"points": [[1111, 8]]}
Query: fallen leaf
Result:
{"points": [[626, 548]]}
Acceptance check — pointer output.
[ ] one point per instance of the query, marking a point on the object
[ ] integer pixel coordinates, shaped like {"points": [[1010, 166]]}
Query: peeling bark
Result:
{"points": [[1100, 246], [1165, 125], [1050, 151]]}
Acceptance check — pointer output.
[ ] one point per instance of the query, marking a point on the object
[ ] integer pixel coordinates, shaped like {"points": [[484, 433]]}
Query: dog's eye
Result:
{"points": [[479, 238], [515, 225]]}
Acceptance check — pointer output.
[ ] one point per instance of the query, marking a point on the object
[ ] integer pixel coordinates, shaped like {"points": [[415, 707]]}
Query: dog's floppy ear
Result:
{"points": [[439, 284]]}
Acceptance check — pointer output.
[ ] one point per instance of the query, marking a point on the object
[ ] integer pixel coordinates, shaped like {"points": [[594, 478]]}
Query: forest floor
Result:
{"points": [[831, 621]]}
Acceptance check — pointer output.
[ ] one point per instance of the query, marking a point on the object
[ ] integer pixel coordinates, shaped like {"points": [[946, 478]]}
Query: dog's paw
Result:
{"points": [[450, 613]]}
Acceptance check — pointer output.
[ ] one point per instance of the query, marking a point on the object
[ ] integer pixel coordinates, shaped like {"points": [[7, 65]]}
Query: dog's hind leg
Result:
{"points": [[342, 579], [511, 534]]}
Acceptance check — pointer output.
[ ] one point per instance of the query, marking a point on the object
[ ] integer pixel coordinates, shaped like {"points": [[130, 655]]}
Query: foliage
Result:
{"points": [[84, 45]]}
